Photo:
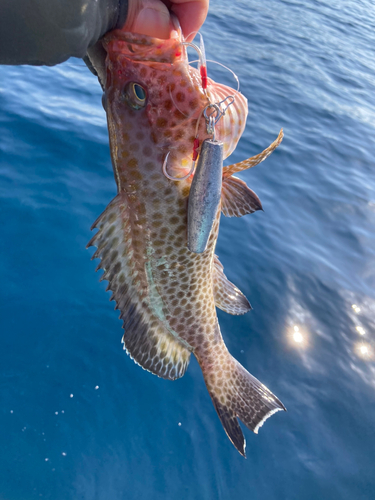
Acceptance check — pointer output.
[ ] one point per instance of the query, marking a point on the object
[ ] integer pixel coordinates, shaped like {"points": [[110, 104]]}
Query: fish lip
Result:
{"points": [[144, 48], [139, 39]]}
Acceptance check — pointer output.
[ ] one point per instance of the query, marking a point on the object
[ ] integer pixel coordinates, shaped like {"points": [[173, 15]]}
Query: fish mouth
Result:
{"points": [[145, 48]]}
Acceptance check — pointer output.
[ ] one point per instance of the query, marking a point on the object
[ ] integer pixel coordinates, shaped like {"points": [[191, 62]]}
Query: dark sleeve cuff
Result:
{"points": [[48, 32]]}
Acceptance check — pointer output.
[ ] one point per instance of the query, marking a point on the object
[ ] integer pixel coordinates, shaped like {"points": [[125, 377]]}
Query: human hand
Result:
{"points": [[153, 17], [57, 30]]}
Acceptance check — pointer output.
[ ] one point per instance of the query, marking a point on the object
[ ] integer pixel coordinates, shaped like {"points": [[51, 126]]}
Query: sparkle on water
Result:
{"points": [[364, 350], [360, 330], [297, 335]]}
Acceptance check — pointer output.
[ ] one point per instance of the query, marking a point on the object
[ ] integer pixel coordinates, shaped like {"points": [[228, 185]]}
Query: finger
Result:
{"points": [[152, 17], [148, 17], [191, 14]]}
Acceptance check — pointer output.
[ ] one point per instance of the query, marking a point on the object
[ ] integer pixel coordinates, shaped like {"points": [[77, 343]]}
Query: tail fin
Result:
{"points": [[236, 393]]}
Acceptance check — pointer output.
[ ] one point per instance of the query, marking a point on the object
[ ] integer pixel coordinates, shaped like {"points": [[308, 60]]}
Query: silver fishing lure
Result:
{"points": [[205, 193]]}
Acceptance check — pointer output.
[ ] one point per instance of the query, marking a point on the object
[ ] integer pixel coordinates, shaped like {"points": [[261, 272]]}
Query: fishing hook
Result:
{"points": [[176, 178], [202, 65], [211, 120]]}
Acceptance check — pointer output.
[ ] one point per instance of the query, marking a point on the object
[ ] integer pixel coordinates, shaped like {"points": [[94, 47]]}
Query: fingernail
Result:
{"points": [[152, 22]]}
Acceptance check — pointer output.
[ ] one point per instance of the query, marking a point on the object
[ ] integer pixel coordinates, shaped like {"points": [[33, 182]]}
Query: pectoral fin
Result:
{"points": [[237, 199], [227, 296], [254, 160]]}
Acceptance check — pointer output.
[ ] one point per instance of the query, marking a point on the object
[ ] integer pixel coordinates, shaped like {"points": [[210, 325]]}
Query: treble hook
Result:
{"points": [[176, 178]]}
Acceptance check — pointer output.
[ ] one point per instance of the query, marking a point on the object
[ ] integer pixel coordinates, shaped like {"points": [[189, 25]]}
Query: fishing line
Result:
{"points": [[225, 67], [170, 93]]}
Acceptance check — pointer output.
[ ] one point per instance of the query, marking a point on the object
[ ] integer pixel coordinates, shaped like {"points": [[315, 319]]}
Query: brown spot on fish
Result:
{"points": [[179, 134], [178, 115], [156, 223], [193, 104], [132, 163], [161, 122], [180, 97], [135, 175], [168, 104]]}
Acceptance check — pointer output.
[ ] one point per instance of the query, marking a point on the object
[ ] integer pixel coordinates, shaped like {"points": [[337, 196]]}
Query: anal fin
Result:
{"points": [[227, 296]]}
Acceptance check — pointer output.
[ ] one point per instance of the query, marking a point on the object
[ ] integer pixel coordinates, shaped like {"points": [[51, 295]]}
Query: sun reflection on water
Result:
{"points": [[364, 350], [297, 336], [360, 330]]}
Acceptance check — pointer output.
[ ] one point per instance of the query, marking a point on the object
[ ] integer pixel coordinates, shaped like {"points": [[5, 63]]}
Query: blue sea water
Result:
{"points": [[78, 419]]}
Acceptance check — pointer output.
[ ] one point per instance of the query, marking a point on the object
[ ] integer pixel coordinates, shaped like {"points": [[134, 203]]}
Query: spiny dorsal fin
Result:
{"points": [[227, 296], [237, 199], [254, 160], [146, 337]]}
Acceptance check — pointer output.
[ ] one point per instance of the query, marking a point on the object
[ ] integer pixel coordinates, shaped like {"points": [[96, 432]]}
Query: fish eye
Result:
{"points": [[135, 95]]}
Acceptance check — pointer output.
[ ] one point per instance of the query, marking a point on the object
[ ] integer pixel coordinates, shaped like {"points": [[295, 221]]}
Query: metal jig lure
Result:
{"points": [[205, 191]]}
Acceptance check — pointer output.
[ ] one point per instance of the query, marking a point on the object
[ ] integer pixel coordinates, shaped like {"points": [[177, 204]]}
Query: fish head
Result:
{"points": [[156, 98]]}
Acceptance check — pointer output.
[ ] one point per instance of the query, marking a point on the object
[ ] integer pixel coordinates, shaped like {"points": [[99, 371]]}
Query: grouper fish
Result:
{"points": [[166, 294]]}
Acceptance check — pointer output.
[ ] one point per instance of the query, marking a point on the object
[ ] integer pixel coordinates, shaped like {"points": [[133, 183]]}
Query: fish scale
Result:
{"points": [[167, 295]]}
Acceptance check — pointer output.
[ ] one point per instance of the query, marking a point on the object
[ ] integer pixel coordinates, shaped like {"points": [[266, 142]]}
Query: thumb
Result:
{"points": [[148, 17]]}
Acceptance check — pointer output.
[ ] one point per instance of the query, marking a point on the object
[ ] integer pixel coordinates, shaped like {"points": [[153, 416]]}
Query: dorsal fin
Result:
{"points": [[254, 160], [237, 199], [146, 338], [227, 296]]}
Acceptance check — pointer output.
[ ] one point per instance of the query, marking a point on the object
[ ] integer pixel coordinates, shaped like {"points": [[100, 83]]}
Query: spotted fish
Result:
{"points": [[167, 295]]}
